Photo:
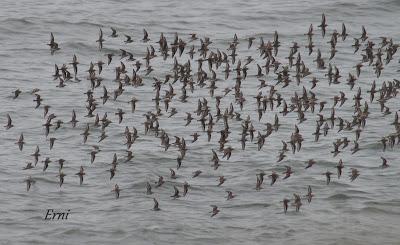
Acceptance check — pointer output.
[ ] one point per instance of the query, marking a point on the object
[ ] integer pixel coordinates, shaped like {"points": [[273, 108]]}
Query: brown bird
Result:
{"points": [[120, 114], [128, 39], [52, 140], [185, 188], [156, 205], [176, 193], [112, 171], [196, 173], [61, 163], [53, 45], [356, 147], [384, 163], [38, 100], [100, 40], [73, 120], [46, 163], [214, 211], [310, 163], [251, 39], [328, 177], [28, 166], [221, 180], [17, 93], [323, 25], [81, 173], [297, 202], [160, 181], [36, 155], [173, 174], [114, 32], [93, 155], [354, 174], [9, 122], [148, 189], [29, 181], [336, 149], [274, 176], [133, 104], [21, 142], [230, 195], [116, 190], [61, 176], [364, 34], [339, 168], [285, 205], [145, 36], [288, 172], [309, 194]]}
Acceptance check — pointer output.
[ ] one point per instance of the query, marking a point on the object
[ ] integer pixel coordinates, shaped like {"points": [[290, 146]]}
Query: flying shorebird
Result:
{"points": [[285, 205], [100, 40], [114, 32], [176, 193], [384, 163], [116, 190], [29, 181], [156, 205], [328, 177], [354, 174], [61, 176], [309, 194], [9, 122], [20, 142], [230, 195], [214, 211], [81, 173]]}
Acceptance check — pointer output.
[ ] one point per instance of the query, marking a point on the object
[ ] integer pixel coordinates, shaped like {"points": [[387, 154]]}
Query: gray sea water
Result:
{"points": [[365, 211]]}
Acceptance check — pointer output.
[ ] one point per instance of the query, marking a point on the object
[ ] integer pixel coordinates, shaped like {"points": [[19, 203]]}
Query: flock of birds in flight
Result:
{"points": [[372, 54]]}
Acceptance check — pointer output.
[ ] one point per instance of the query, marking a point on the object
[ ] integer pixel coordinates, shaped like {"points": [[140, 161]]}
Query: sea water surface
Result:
{"points": [[365, 211]]}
